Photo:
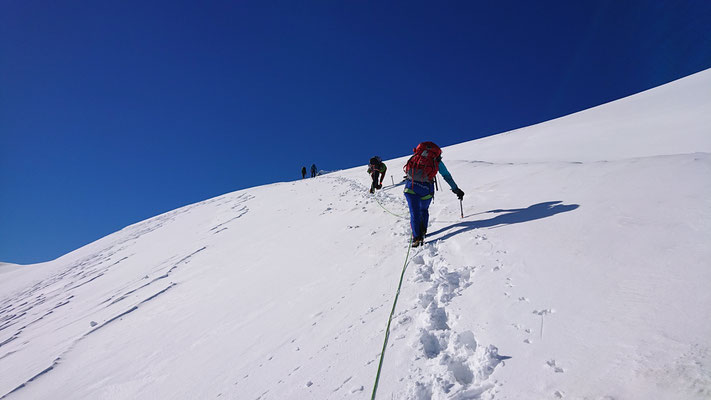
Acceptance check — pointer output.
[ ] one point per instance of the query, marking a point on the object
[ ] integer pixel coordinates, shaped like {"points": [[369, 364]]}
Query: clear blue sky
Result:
{"points": [[115, 111]]}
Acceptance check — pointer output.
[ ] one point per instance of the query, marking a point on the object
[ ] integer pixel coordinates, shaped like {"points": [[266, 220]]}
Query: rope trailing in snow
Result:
{"points": [[383, 207], [387, 329]]}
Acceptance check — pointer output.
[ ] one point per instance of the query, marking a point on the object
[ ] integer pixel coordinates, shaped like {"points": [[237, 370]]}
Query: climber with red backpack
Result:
{"points": [[421, 170]]}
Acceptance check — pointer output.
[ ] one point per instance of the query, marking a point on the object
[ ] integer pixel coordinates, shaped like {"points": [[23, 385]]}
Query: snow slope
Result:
{"points": [[580, 271]]}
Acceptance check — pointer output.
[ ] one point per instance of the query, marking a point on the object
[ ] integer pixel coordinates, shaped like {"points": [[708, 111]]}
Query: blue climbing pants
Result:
{"points": [[419, 196]]}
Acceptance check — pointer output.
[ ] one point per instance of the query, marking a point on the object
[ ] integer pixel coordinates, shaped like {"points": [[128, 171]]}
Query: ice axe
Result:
{"points": [[461, 207]]}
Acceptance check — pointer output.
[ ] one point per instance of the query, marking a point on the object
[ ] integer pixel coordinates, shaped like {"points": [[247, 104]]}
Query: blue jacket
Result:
{"points": [[447, 176]]}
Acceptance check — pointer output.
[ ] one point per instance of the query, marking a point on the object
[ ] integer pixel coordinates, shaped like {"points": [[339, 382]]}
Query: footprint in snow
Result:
{"points": [[554, 367], [357, 389], [343, 384]]}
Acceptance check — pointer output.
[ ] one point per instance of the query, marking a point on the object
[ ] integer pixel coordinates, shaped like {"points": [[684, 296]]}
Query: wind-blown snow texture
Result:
{"points": [[583, 256]]}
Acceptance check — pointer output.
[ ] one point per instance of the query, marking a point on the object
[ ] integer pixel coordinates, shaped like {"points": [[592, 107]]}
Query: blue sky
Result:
{"points": [[113, 112]]}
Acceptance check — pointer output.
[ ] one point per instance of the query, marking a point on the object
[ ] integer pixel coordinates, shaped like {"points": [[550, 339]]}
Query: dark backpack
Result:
{"points": [[424, 164]]}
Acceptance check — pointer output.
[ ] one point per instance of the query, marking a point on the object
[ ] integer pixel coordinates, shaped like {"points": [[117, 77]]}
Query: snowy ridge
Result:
{"points": [[578, 271], [668, 120]]}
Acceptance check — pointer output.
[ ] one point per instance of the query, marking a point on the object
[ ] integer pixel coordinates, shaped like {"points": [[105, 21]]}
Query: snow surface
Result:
{"points": [[579, 271]]}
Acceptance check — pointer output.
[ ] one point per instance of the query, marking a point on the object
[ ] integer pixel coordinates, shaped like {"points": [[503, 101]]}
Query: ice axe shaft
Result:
{"points": [[461, 207]]}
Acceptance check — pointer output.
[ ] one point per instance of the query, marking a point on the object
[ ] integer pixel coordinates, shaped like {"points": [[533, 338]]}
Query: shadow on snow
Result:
{"points": [[512, 216]]}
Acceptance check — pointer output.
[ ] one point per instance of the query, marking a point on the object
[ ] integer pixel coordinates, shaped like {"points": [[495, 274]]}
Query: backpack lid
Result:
{"points": [[429, 147]]}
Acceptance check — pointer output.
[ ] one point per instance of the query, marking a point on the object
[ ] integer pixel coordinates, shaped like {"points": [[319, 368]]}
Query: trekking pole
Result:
{"points": [[461, 207], [436, 185], [392, 179]]}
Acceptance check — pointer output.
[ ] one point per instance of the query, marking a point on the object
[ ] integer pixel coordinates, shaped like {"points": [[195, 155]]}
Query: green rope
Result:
{"points": [[387, 329], [383, 207]]}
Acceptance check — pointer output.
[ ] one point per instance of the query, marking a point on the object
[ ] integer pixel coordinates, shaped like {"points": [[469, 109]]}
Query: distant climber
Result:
{"points": [[376, 169], [313, 170], [303, 172], [421, 170]]}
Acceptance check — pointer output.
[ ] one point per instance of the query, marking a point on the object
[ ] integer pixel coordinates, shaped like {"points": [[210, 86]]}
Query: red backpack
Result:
{"points": [[424, 164]]}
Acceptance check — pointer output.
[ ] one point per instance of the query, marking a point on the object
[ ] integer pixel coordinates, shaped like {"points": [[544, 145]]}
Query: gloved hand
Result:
{"points": [[459, 193]]}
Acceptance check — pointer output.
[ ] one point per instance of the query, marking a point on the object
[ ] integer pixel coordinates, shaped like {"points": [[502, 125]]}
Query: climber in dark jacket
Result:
{"points": [[377, 170]]}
